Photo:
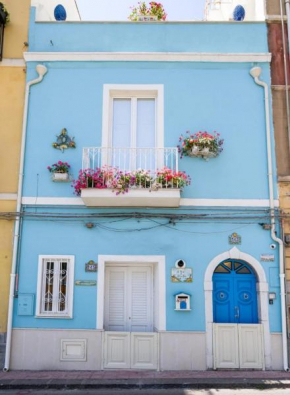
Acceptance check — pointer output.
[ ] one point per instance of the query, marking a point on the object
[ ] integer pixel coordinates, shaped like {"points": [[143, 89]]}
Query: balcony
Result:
{"points": [[131, 177]]}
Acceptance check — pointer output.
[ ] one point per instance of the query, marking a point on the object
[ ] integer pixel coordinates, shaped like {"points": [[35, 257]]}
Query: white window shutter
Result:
{"points": [[140, 314], [116, 306]]}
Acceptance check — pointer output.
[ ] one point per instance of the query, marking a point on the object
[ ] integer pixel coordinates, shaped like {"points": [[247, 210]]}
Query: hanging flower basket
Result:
{"points": [[201, 144], [60, 177], [60, 171]]}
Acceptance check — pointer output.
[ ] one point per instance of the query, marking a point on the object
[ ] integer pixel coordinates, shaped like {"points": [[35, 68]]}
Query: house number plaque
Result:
{"points": [[91, 266]]}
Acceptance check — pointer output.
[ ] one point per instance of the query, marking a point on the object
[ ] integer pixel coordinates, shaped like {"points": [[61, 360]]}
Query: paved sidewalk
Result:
{"points": [[143, 379]]}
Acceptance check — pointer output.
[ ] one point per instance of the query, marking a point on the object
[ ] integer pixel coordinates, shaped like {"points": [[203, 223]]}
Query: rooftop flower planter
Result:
{"points": [[107, 185], [154, 13]]}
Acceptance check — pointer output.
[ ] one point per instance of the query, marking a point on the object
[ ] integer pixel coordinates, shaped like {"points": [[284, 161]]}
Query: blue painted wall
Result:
{"points": [[221, 97], [152, 37], [197, 96], [196, 243]]}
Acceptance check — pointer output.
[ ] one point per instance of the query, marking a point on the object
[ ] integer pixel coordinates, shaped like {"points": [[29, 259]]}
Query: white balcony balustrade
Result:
{"points": [[131, 177]]}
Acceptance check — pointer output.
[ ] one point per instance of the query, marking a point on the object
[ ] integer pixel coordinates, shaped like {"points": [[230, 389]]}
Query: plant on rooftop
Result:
{"points": [[155, 11], [201, 144]]}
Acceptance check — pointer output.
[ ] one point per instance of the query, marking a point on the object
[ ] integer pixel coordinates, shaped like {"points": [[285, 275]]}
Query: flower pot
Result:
{"points": [[194, 151], [147, 18], [60, 176]]}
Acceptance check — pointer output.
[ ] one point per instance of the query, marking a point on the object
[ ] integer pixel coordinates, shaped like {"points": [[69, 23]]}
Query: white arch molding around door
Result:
{"points": [[262, 291]]}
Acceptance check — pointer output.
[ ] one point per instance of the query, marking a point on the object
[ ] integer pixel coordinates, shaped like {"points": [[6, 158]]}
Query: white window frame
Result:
{"points": [[126, 91], [70, 286]]}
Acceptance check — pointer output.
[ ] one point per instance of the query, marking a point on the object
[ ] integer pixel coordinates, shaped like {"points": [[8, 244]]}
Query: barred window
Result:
{"points": [[55, 286]]}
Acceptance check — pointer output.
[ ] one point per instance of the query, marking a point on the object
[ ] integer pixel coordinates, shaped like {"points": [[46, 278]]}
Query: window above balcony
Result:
{"points": [[133, 116]]}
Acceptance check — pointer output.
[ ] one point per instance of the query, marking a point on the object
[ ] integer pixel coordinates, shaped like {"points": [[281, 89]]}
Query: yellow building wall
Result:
{"points": [[284, 192], [6, 239], [16, 31], [12, 90]]}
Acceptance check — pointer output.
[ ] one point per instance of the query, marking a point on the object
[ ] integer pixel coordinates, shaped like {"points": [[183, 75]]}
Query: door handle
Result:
{"points": [[237, 312]]}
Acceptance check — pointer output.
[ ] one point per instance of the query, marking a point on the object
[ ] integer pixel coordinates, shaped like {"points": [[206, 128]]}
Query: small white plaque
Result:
{"points": [[267, 258]]}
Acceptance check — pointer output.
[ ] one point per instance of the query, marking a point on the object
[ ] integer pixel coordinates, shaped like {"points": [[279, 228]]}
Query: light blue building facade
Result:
{"points": [[185, 280]]}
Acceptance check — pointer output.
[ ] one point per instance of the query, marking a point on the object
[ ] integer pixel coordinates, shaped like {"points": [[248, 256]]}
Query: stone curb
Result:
{"points": [[224, 383]]}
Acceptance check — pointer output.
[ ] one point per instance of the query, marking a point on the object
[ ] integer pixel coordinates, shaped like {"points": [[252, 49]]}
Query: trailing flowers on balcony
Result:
{"points": [[201, 144], [121, 182], [142, 13]]}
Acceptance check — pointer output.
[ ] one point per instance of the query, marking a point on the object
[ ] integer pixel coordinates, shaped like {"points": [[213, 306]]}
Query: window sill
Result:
{"points": [[64, 317], [93, 197]]}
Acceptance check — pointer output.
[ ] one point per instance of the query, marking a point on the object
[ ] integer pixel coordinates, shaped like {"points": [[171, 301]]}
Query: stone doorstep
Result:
{"points": [[162, 383]]}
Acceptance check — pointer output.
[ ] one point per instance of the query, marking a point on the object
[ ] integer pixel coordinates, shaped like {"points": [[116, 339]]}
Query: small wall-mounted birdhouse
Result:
{"points": [[182, 302]]}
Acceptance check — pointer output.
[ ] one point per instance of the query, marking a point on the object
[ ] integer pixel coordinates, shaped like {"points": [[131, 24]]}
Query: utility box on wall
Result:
{"points": [[25, 304], [182, 302]]}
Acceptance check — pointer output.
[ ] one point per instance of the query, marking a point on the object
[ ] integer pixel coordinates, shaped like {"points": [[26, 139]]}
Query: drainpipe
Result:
{"points": [[41, 70], [255, 73]]}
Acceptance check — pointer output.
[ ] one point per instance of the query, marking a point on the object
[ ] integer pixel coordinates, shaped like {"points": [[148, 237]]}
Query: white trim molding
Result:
{"points": [[11, 62], [262, 291], [146, 57], [8, 196], [75, 201], [159, 283]]}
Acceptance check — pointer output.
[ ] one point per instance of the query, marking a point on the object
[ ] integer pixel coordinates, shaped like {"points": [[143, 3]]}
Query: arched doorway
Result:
{"points": [[235, 293], [262, 298]]}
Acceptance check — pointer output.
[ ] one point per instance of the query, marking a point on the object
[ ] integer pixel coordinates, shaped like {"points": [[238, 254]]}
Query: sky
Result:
{"points": [[119, 10]]}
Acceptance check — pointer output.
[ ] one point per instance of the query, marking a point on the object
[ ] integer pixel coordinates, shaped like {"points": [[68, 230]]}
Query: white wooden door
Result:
{"points": [[128, 299], [125, 350], [226, 352], [117, 350], [238, 346], [144, 350], [251, 349]]}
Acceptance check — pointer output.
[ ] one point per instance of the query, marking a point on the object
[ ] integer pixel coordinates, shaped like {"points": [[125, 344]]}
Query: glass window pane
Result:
{"points": [[237, 265], [221, 269], [146, 134], [244, 270], [48, 286], [145, 123], [121, 123], [228, 264], [62, 292]]}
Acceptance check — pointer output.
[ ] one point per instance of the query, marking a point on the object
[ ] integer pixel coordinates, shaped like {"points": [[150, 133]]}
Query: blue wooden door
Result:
{"points": [[234, 293]]}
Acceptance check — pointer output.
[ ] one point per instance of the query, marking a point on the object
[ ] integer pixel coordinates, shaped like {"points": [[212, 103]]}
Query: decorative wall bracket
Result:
{"points": [[64, 141]]}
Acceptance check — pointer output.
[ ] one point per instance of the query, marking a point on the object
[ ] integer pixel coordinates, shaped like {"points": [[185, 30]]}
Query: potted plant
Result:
{"points": [[142, 13], [60, 171], [201, 144], [4, 15]]}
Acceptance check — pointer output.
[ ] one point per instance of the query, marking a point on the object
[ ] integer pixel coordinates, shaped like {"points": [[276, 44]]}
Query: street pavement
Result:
{"points": [[149, 392], [125, 382]]}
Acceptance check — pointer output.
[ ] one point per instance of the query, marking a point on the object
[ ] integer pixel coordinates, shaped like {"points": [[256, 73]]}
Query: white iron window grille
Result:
{"points": [[55, 286]]}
